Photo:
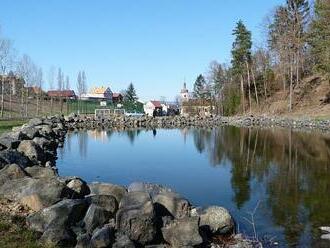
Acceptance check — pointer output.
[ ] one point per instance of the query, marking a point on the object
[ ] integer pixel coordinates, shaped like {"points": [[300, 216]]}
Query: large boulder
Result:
{"points": [[107, 202], [40, 172], [11, 139], [55, 222], [103, 237], [173, 204], [35, 193], [45, 143], [58, 237], [83, 241], [35, 122], [108, 189], [32, 151], [216, 220], [136, 217], [150, 188], [30, 132], [79, 186], [11, 156], [183, 232], [122, 241], [95, 217], [10, 172]]}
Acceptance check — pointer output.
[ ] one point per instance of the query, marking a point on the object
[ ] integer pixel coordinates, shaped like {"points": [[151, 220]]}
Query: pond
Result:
{"points": [[281, 174]]}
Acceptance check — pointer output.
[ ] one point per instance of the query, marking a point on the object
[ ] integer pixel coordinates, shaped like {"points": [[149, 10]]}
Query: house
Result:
{"points": [[153, 108], [12, 84], [170, 109], [117, 97], [67, 94], [98, 94]]}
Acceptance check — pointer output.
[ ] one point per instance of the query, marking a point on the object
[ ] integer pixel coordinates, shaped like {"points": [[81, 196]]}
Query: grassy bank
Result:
{"points": [[14, 233], [7, 125], [13, 229]]}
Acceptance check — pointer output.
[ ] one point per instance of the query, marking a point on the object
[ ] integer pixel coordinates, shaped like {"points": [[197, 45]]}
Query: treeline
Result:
{"points": [[23, 67], [297, 46]]}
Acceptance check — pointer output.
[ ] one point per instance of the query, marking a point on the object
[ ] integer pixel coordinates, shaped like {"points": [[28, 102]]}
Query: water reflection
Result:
{"points": [[294, 167], [288, 171]]}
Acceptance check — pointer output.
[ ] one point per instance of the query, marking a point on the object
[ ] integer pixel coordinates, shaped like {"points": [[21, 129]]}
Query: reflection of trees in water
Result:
{"points": [[82, 143], [132, 134], [294, 167]]}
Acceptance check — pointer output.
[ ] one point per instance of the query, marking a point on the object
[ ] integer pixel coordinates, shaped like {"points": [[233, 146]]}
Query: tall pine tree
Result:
{"points": [[130, 94], [241, 57], [319, 39], [200, 87]]}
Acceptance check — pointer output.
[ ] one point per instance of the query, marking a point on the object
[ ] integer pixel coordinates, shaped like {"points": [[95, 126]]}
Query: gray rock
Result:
{"points": [[62, 215], [183, 233], [151, 189], [35, 122], [32, 151], [60, 237], [30, 132], [40, 172], [11, 139], [78, 186], [35, 193], [217, 220], [176, 205], [108, 189], [103, 237], [83, 241], [11, 156], [107, 202], [10, 172], [44, 143], [136, 217], [95, 217], [122, 241]]}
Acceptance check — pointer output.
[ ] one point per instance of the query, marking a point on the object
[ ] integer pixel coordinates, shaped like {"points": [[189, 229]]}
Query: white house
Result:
{"points": [[151, 106]]}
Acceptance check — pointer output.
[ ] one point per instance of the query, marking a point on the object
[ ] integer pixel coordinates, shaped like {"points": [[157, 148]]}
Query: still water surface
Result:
{"points": [[285, 173]]}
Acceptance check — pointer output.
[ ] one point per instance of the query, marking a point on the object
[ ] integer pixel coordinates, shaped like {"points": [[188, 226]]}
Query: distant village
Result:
{"points": [[103, 97]]}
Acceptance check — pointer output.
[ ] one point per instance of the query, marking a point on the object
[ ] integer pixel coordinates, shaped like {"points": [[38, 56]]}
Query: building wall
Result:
{"points": [[149, 108]]}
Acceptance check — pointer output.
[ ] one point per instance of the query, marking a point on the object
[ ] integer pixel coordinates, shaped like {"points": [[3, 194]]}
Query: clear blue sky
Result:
{"points": [[153, 43]]}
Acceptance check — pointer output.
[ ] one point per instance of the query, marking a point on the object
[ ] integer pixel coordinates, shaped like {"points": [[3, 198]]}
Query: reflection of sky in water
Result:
{"points": [[231, 167]]}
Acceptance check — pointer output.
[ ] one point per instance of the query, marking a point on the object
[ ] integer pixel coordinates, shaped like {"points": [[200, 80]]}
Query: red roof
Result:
{"points": [[115, 95], [157, 104], [61, 93]]}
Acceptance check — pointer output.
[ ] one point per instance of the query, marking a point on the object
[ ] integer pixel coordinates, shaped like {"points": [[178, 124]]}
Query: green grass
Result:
{"points": [[7, 125], [14, 233]]}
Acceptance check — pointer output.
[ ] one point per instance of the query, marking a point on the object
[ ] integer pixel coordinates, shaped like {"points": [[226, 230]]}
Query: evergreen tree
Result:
{"points": [[130, 94], [241, 56], [200, 87], [319, 39]]}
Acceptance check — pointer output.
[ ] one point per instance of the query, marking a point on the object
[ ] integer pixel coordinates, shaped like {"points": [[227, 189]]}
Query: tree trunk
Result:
{"points": [[242, 92], [249, 85], [291, 87], [2, 97], [38, 104], [255, 86], [10, 100], [27, 102]]}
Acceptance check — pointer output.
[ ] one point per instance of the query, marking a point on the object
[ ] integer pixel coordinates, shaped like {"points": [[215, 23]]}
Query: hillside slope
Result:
{"points": [[311, 99]]}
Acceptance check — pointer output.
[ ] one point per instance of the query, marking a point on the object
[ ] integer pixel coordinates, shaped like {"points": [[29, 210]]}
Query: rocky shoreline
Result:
{"points": [[124, 122], [68, 212]]}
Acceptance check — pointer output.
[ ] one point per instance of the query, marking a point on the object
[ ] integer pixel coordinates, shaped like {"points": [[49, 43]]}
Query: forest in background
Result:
{"points": [[295, 57]]}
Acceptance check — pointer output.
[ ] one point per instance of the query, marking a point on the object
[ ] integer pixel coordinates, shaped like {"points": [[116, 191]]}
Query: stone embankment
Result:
{"points": [[123, 122], [68, 212]]}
